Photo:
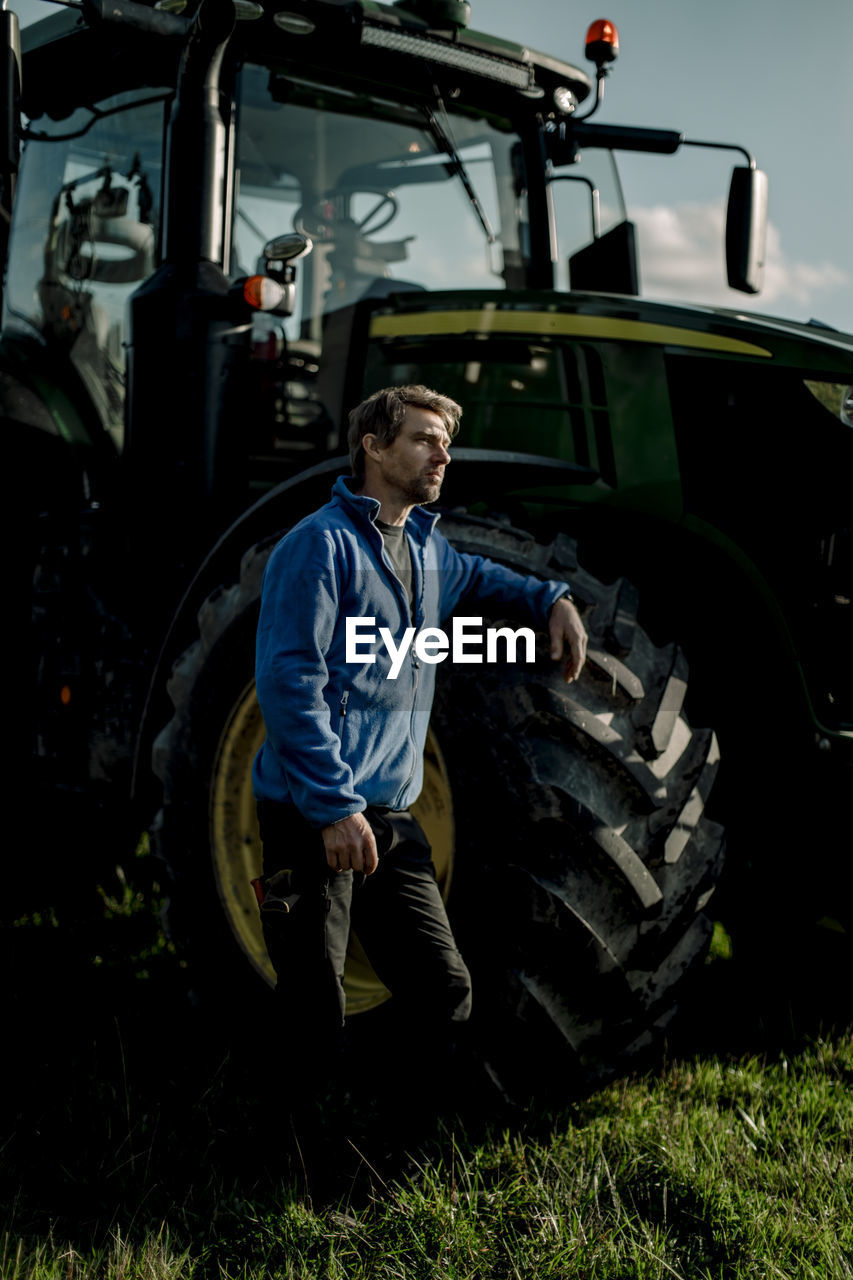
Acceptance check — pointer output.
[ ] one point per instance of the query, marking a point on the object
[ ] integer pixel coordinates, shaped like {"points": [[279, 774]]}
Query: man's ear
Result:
{"points": [[371, 446]]}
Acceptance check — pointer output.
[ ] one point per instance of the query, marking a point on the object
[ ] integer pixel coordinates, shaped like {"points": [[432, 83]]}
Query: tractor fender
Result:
{"points": [[695, 581]]}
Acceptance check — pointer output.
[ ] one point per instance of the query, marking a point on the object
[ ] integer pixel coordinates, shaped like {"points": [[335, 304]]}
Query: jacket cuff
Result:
{"points": [[555, 591], [332, 818]]}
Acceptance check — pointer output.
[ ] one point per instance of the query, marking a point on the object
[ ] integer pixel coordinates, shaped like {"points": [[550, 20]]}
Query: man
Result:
{"points": [[343, 757]]}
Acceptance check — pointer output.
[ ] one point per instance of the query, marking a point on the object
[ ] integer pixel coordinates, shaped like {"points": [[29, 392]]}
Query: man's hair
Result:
{"points": [[381, 415]]}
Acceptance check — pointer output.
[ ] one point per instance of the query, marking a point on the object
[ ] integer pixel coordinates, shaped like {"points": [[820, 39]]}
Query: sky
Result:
{"points": [[772, 76]]}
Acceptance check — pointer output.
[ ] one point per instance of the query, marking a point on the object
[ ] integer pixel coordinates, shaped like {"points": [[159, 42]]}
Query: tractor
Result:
{"points": [[227, 222]]}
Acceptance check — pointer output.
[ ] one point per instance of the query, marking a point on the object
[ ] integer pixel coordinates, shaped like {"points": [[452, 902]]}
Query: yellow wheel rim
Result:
{"points": [[236, 845]]}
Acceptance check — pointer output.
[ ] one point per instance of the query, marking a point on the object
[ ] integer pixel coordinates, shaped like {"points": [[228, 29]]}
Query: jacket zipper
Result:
{"points": [[412, 611], [417, 608], [344, 701]]}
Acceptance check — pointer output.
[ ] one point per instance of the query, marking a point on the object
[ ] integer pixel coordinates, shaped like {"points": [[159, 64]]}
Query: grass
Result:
{"points": [[704, 1169], [137, 1144]]}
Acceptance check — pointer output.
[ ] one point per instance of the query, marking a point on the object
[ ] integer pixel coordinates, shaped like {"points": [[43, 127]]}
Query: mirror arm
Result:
{"points": [[600, 76], [722, 146]]}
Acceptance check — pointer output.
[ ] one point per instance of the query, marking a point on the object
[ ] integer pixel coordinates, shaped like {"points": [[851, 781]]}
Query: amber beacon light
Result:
{"points": [[602, 42]]}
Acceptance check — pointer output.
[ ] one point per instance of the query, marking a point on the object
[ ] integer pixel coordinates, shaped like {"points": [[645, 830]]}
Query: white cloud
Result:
{"points": [[682, 257]]}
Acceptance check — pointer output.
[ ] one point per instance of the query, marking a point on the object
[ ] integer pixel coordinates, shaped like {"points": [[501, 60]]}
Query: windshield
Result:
{"points": [[393, 197], [84, 235], [396, 198]]}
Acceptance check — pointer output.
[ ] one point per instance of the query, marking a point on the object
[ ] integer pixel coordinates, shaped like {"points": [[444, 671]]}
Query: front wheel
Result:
{"points": [[566, 822]]}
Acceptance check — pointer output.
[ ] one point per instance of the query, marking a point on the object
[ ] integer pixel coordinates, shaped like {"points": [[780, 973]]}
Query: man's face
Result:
{"points": [[412, 466]]}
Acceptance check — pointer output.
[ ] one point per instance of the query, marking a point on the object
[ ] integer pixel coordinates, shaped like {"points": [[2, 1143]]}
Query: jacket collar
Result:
{"points": [[420, 522]]}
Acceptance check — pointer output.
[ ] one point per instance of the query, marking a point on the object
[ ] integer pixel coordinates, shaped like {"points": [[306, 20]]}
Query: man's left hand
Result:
{"points": [[567, 633]]}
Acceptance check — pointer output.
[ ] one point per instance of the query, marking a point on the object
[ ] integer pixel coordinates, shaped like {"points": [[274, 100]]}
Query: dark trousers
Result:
{"points": [[400, 919]]}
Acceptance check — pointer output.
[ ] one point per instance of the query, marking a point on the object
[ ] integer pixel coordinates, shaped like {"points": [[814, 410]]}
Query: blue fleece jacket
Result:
{"points": [[341, 735]]}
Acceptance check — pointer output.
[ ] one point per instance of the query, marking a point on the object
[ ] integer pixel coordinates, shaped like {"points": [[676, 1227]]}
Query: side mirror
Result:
{"points": [[10, 92], [278, 265], [746, 230], [287, 247]]}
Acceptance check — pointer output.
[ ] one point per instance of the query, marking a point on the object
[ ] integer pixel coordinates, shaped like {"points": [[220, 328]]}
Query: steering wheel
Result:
{"points": [[318, 219], [387, 201]]}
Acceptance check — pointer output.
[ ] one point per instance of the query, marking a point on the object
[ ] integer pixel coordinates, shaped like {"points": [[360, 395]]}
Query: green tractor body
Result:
{"points": [[224, 234]]}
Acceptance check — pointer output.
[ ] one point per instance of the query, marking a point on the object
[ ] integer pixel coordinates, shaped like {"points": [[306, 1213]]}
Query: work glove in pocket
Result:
{"points": [[276, 895]]}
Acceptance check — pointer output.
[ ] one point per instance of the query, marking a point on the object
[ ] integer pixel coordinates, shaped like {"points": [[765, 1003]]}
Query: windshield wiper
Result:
{"points": [[442, 137]]}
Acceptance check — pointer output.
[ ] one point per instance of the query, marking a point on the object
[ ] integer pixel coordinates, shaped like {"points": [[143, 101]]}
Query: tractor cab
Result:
{"points": [[414, 156]]}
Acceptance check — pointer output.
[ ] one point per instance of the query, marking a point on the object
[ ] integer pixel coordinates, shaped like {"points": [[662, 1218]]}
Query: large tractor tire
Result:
{"points": [[569, 819]]}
